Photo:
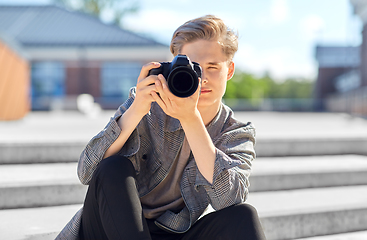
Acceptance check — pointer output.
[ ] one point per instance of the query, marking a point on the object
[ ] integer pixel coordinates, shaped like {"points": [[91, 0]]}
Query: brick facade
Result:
{"points": [[83, 77]]}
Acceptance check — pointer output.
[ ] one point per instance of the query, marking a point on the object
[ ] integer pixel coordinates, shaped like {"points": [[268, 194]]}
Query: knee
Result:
{"points": [[246, 209], [243, 211], [246, 222], [114, 167], [236, 221]]}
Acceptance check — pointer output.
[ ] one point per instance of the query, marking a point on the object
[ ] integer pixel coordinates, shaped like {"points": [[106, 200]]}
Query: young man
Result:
{"points": [[162, 159]]}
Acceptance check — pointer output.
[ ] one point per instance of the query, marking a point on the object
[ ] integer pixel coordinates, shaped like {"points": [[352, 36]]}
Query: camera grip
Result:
{"points": [[155, 71]]}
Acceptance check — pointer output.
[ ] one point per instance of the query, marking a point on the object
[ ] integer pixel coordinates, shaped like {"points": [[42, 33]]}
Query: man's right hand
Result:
{"points": [[145, 85]]}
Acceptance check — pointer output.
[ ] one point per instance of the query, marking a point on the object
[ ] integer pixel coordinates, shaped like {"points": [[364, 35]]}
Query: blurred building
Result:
{"points": [[14, 81], [341, 84], [71, 53], [338, 72]]}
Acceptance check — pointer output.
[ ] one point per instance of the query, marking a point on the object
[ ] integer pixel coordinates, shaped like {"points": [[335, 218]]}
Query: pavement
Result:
{"points": [[74, 126]]}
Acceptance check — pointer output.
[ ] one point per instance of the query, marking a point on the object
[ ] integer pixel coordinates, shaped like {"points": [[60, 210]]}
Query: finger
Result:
{"points": [[198, 90], [158, 100], [144, 87], [146, 82], [146, 68], [148, 89], [162, 88]]}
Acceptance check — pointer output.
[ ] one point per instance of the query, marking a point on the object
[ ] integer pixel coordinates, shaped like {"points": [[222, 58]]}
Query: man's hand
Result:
{"points": [[181, 108], [144, 87]]}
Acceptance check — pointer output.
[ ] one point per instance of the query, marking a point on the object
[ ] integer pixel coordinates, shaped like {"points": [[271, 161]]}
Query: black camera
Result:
{"points": [[181, 74]]}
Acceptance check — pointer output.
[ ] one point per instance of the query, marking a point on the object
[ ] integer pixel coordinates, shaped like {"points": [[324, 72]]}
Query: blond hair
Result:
{"points": [[208, 27]]}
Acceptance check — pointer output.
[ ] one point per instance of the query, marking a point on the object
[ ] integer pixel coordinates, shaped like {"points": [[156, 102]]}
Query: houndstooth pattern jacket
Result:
{"points": [[152, 147]]}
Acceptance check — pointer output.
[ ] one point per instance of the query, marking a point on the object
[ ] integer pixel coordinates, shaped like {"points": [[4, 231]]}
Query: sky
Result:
{"points": [[275, 36]]}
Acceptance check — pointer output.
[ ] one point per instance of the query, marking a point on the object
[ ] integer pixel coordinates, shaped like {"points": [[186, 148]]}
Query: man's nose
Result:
{"points": [[203, 78]]}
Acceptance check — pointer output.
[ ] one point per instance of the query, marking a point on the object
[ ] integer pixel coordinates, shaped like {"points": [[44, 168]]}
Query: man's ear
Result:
{"points": [[230, 70]]}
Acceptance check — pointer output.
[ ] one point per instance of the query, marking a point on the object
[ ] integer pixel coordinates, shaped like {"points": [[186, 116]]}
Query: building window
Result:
{"points": [[48, 83], [117, 79]]}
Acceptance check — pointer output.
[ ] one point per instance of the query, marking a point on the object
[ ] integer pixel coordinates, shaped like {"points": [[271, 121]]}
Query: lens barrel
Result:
{"points": [[182, 81]]}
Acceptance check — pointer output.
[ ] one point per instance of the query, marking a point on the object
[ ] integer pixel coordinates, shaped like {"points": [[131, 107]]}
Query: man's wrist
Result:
{"points": [[191, 119], [136, 111], [130, 115]]}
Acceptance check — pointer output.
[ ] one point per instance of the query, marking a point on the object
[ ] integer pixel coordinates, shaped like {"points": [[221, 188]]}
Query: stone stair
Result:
{"points": [[302, 187], [304, 196]]}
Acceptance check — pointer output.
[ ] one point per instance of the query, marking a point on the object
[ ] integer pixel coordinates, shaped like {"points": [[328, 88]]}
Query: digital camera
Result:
{"points": [[181, 74]]}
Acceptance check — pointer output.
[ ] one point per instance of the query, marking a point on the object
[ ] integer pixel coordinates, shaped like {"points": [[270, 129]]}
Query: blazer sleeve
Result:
{"points": [[234, 155], [98, 145]]}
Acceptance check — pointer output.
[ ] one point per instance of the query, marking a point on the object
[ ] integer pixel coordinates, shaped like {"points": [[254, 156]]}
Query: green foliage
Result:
{"points": [[247, 86], [117, 8]]}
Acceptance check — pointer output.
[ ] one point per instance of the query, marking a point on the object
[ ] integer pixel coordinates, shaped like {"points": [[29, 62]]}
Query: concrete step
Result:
{"points": [[69, 151], [61, 136], [40, 152], [359, 235], [311, 146], [35, 223], [284, 214], [283, 173], [35, 185], [311, 212]]}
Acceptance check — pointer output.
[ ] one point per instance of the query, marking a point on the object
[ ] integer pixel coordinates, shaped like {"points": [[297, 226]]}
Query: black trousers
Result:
{"points": [[112, 210]]}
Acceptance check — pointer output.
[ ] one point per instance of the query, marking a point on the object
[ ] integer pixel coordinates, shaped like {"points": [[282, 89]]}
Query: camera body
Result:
{"points": [[181, 74]]}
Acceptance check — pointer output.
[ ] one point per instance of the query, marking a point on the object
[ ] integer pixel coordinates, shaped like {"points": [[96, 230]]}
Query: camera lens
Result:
{"points": [[183, 82]]}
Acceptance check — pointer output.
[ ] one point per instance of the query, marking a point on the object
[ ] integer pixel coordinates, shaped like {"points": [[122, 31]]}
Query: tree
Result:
{"points": [[247, 86], [117, 9]]}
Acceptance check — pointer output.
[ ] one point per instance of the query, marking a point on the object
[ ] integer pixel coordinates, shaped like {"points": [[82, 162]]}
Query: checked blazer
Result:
{"points": [[153, 146]]}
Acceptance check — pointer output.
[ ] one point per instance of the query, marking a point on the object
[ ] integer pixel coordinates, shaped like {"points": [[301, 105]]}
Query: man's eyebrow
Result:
{"points": [[213, 63]]}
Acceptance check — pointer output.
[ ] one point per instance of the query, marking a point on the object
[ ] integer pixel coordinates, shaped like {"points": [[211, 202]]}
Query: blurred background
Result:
{"points": [[301, 78], [293, 55]]}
